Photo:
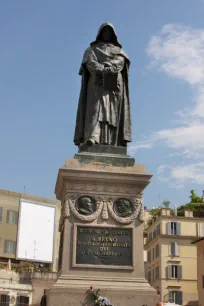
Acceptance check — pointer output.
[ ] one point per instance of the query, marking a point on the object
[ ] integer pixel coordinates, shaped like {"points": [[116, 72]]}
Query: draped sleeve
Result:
{"points": [[117, 65], [92, 63]]}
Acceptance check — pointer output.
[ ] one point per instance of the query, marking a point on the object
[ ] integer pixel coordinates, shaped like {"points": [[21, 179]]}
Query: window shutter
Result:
{"points": [[149, 276], [5, 246], [179, 297], [171, 297], [157, 272], [7, 216], [1, 214], [178, 228], [169, 271], [8, 299], [177, 249], [158, 229], [168, 228], [179, 272], [13, 247], [15, 217], [172, 249], [201, 229], [157, 250]]}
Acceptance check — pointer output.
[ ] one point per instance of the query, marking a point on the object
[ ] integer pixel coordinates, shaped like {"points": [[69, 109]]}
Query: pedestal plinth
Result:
{"points": [[101, 234]]}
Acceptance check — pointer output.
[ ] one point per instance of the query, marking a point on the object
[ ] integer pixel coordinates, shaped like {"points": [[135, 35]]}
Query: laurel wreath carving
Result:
{"points": [[89, 218], [105, 211], [141, 213], [126, 220], [106, 208]]}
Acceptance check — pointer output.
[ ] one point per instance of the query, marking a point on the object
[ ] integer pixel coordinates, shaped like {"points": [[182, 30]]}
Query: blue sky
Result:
{"points": [[42, 43]]}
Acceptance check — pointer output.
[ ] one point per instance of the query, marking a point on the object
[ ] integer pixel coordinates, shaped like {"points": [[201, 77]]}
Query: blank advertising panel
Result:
{"points": [[36, 228]]}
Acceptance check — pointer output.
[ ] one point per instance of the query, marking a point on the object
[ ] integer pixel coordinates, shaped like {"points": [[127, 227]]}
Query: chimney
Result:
{"points": [[188, 213], [165, 212]]}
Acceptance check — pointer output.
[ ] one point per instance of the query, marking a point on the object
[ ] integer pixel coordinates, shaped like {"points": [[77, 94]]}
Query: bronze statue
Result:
{"points": [[103, 115]]}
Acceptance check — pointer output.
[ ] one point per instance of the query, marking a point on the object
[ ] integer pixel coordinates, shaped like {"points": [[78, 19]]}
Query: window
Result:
{"points": [[174, 248], [150, 237], [158, 229], [176, 297], [9, 246], [174, 271], [154, 233], [157, 250], [149, 256], [201, 229], [4, 300], [149, 276], [173, 228], [153, 274], [157, 272], [22, 300], [1, 214], [203, 281], [11, 217], [152, 253]]}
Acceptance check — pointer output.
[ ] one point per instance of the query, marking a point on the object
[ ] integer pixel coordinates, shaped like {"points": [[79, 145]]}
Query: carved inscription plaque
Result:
{"points": [[103, 246]]}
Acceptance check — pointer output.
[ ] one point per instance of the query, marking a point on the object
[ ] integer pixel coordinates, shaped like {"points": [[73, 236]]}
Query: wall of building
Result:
{"points": [[40, 283], [8, 231], [11, 284], [187, 257], [200, 254], [11, 201], [27, 284]]}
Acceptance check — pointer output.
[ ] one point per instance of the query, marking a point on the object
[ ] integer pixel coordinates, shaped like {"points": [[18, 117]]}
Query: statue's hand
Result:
{"points": [[109, 70], [107, 64]]}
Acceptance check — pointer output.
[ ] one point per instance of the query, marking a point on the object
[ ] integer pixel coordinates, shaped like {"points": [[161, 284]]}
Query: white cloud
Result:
{"points": [[178, 175], [143, 145], [188, 139], [178, 51]]}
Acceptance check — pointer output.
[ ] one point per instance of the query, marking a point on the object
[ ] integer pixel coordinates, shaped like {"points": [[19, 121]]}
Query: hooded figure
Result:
{"points": [[103, 115]]}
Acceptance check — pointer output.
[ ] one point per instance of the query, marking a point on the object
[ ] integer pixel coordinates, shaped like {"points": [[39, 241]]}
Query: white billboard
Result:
{"points": [[36, 229]]}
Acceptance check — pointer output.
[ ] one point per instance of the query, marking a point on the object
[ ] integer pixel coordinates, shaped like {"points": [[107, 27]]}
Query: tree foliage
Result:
{"points": [[155, 212], [195, 205], [166, 203]]}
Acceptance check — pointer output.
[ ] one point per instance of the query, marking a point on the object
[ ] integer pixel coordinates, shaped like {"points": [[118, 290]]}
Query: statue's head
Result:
{"points": [[107, 33], [123, 206], [87, 204]]}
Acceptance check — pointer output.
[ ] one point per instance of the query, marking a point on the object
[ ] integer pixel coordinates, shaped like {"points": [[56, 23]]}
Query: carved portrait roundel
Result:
{"points": [[123, 207], [86, 205]]}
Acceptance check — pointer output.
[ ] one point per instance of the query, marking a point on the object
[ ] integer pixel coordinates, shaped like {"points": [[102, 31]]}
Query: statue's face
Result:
{"points": [[107, 34], [88, 205], [121, 207]]}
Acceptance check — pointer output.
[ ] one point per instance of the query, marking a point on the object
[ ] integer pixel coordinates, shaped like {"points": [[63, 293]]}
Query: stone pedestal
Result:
{"points": [[103, 247]]}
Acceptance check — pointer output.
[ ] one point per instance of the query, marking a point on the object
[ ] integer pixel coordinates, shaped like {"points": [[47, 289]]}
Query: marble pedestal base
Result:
{"points": [[124, 283], [72, 292]]}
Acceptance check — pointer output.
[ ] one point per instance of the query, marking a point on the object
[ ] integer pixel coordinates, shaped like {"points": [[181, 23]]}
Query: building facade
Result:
{"points": [[200, 269], [12, 287], [171, 257]]}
